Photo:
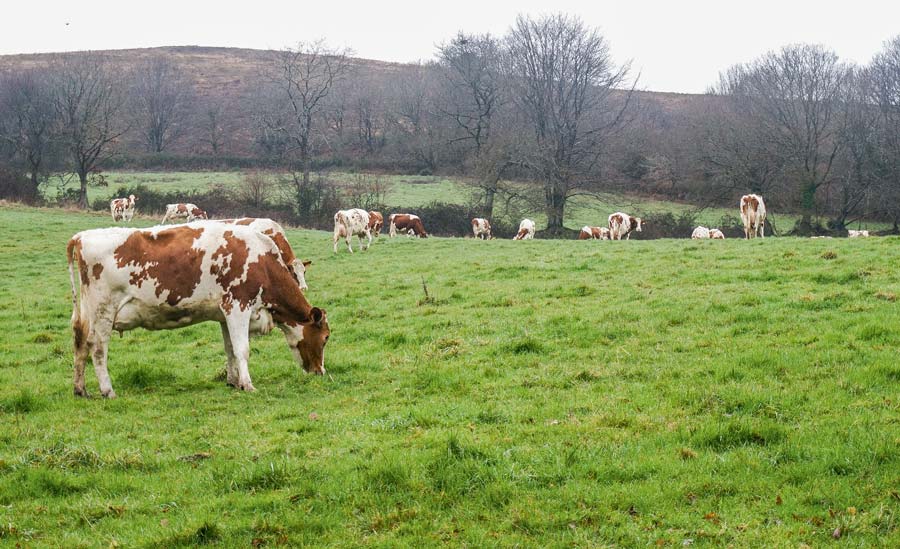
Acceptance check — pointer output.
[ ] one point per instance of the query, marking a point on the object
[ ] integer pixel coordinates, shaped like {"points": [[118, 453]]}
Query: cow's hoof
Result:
{"points": [[247, 387], [81, 392], [109, 394]]}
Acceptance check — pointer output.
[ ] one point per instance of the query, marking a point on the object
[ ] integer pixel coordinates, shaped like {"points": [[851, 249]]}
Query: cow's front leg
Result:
{"points": [[231, 371], [349, 236], [100, 332], [238, 323]]}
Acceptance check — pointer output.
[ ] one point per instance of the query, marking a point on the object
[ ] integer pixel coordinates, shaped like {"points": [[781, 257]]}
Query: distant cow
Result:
{"points": [[700, 233], [187, 211], [481, 228], [593, 233], [168, 277], [122, 209], [622, 224], [350, 223], [716, 234], [407, 223], [526, 230], [376, 223], [274, 231], [857, 234], [753, 214]]}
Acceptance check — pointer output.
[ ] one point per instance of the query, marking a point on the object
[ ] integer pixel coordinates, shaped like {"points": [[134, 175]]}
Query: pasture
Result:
{"points": [[544, 393]]}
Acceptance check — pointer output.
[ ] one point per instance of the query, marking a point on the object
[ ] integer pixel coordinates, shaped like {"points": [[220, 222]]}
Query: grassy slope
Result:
{"points": [[725, 392]]}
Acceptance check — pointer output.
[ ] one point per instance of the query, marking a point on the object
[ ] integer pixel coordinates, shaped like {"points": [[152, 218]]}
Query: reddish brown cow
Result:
{"points": [[376, 223], [407, 223]]}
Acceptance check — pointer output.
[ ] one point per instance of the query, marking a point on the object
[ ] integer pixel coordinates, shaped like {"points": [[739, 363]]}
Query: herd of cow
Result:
{"points": [[243, 274]]}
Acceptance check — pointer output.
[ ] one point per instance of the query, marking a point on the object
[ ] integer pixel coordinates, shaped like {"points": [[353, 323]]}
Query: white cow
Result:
{"points": [[187, 211], [481, 228], [700, 233], [526, 230], [168, 277], [857, 234], [716, 234], [621, 224], [349, 223], [753, 214], [122, 209]]}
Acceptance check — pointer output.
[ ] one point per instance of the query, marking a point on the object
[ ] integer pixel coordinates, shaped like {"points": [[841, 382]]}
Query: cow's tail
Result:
{"points": [[72, 258]]}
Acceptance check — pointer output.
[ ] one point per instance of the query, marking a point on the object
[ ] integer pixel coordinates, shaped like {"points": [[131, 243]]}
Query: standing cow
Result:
{"points": [[350, 223], [593, 233], [526, 230], [407, 223], [753, 214], [187, 211], [122, 209], [621, 224], [481, 228], [168, 277], [376, 223]]}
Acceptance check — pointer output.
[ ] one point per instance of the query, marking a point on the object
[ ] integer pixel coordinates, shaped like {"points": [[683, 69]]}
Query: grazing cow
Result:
{"points": [[122, 209], [753, 214], [168, 277], [376, 223], [716, 234], [526, 230], [408, 223], [481, 228], [593, 233], [274, 231], [187, 211], [857, 234], [350, 223], [700, 233], [622, 224]]}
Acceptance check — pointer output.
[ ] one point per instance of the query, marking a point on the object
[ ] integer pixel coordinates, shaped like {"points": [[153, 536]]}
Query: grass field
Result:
{"points": [[412, 190], [550, 394]]}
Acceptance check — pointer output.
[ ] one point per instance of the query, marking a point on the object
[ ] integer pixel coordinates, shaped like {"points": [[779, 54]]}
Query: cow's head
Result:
{"points": [[307, 341], [639, 222], [197, 213], [132, 198]]}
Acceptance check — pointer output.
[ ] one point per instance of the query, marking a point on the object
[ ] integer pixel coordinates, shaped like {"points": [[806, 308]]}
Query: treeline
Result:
{"points": [[543, 105]]}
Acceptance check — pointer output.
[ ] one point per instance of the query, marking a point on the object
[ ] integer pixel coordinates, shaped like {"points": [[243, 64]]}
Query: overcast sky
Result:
{"points": [[676, 45]]}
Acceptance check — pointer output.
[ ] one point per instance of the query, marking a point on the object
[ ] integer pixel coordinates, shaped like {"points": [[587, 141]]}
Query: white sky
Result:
{"points": [[677, 45]]}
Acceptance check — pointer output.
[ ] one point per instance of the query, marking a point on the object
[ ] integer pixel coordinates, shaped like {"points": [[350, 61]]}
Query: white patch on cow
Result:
{"points": [[700, 232]]}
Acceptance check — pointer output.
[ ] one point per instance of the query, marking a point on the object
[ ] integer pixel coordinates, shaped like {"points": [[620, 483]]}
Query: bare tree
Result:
{"points": [[303, 78], [89, 101], [472, 96], [28, 121], [415, 117], [564, 82], [884, 72], [163, 100]]}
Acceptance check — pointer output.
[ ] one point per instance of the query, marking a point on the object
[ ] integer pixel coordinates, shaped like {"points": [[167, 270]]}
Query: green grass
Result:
{"points": [[552, 393]]}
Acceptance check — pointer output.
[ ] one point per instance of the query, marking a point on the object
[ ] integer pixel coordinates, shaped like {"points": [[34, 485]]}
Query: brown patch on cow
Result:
{"points": [[376, 221], [198, 213], [584, 236], [78, 333], [521, 234], [234, 253], [74, 249], [287, 254], [279, 288], [617, 219], [245, 221], [181, 208], [167, 257], [97, 270], [405, 222]]}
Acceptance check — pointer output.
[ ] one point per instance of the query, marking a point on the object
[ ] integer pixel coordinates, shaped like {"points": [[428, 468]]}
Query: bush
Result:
{"points": [[17, 187]]}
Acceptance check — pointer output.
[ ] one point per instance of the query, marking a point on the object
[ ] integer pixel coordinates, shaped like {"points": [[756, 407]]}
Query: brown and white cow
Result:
{"points": [[122, 209], [350, 223], [376, 223], [407, 223], [716, 234], [275, 231], [593, 233], [526, 230], [857, 234], [621, 224], [187, 211], [168, 277], [481, 228], [753, 214], [700, 233]]}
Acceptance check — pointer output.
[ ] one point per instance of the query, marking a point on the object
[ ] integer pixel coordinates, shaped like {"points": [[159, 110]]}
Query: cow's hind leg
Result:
{"points": [[239, 335], [349, 236], [231, 370], [82, 350], [100, 332]]}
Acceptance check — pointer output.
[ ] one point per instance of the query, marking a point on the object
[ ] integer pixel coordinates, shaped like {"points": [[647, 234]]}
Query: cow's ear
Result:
{"points": [[306, 263], [318, 315]]}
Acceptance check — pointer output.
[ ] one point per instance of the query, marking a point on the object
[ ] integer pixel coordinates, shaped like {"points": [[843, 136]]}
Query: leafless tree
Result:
{"points": [[416, 121], [28, 121], [163, 100], [89, 101], [303, 78], [473, 93], [884, 72], [212, 126], [564, 82]]}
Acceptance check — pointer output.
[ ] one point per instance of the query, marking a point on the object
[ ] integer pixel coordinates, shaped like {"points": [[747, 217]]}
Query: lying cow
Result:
{"points": [[481, 228], [187, 211], [350, 223], [168, 277], [593, 233], [407, 223], [753, 215], [621, 224], [274, 231], [376, 223], [700, 233], [526, 230], [716, 234], [857, 234], [122, 209]]}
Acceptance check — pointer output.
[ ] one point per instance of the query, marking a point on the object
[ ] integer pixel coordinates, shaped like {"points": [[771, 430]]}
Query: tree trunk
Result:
{"points": [[555, 207], [807, 207], [489, 194], [82, 194]]}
